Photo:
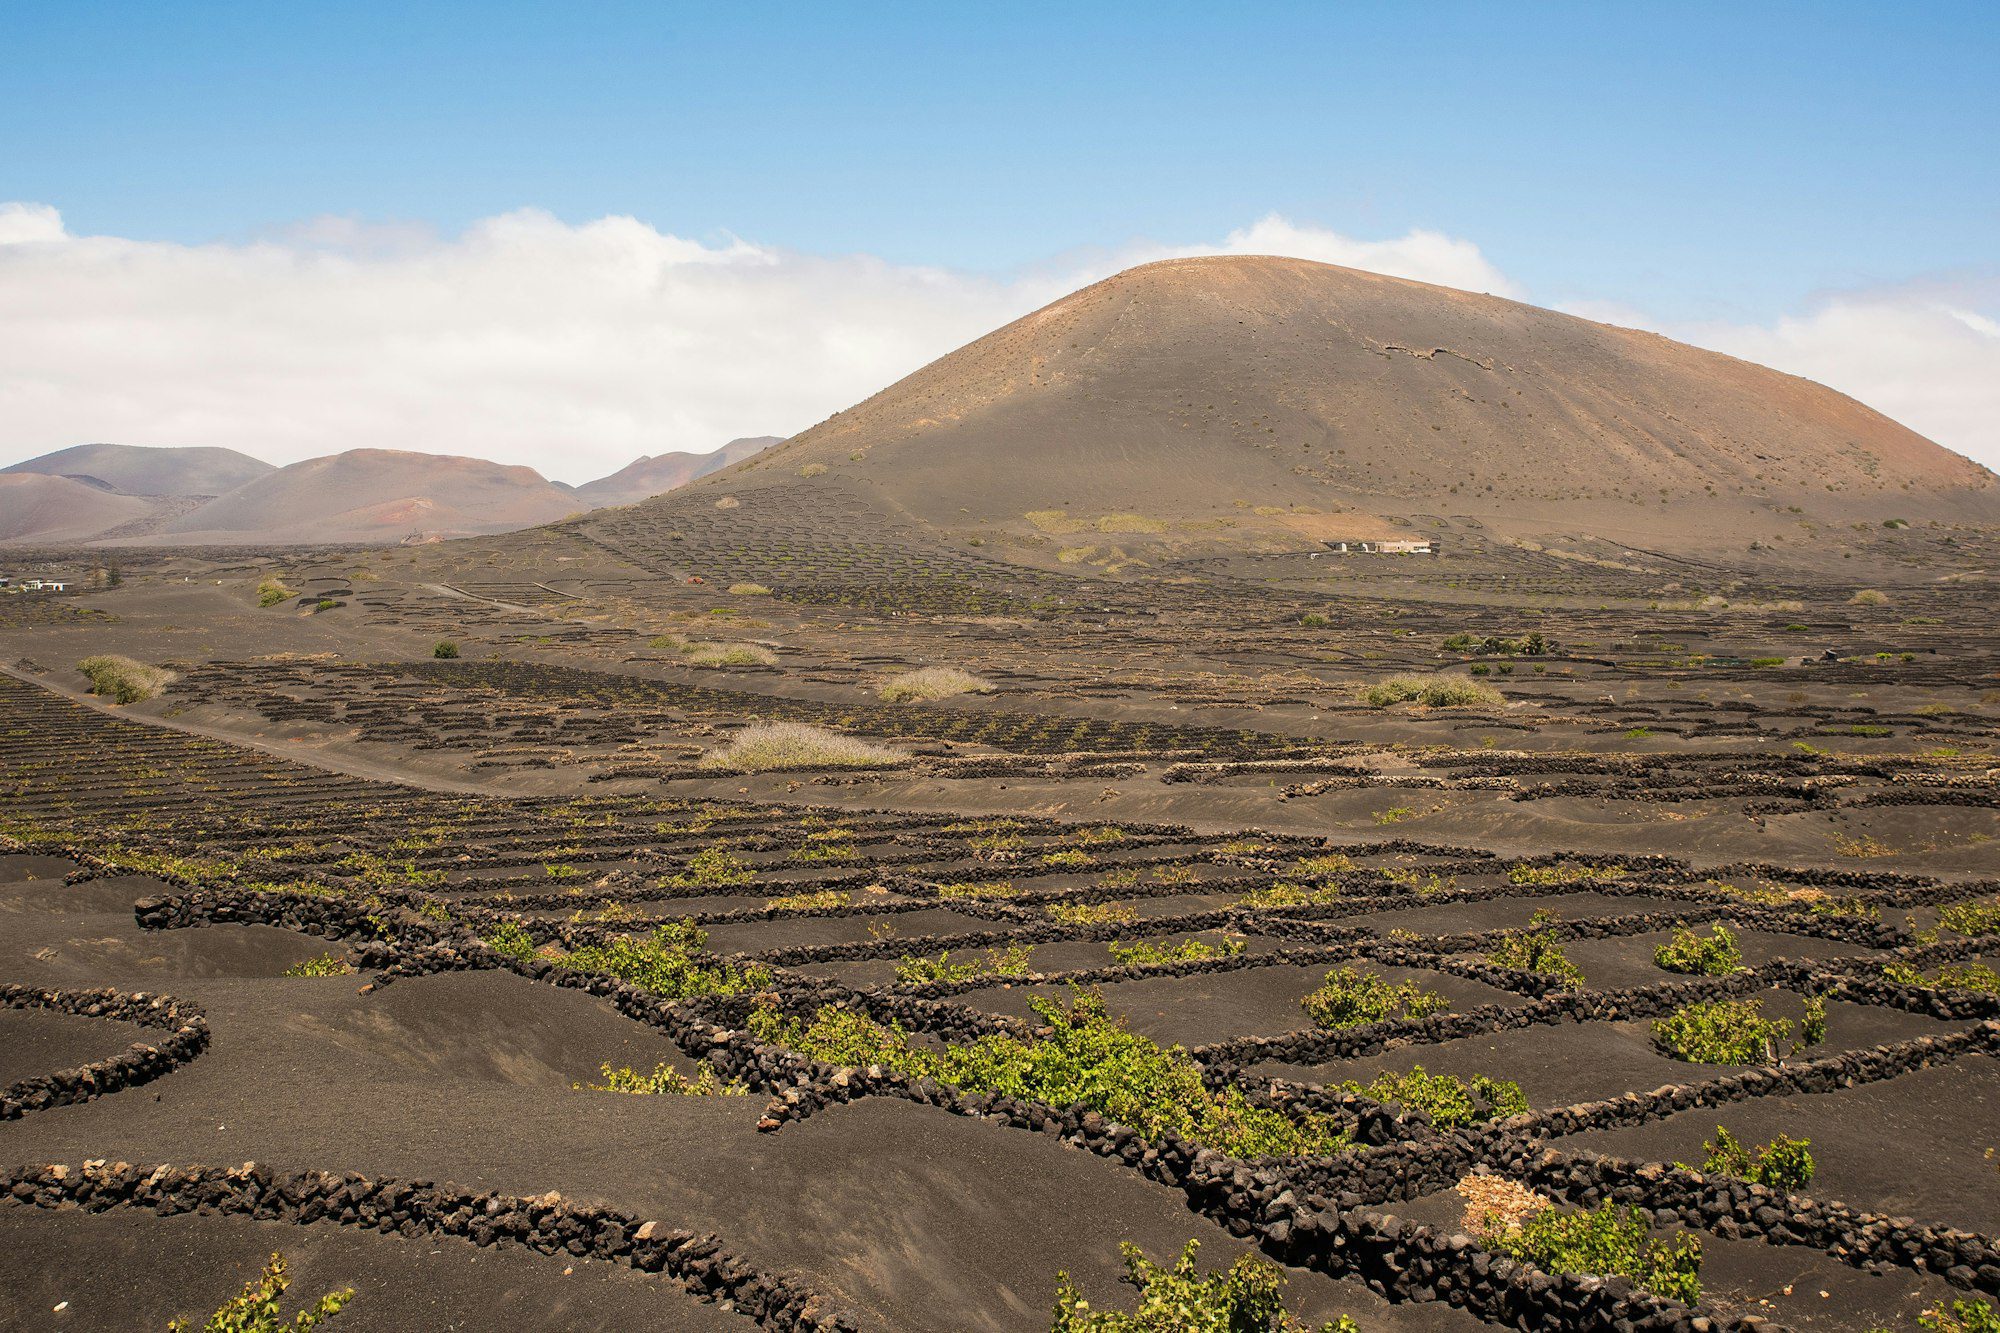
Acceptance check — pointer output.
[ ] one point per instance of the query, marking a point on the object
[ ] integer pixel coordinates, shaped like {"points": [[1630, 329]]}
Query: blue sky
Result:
{"points": [[1697, 164], [1699, 160]]}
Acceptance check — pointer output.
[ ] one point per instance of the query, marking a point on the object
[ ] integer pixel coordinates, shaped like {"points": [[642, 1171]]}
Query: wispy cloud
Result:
{"points": [[575, 347]]}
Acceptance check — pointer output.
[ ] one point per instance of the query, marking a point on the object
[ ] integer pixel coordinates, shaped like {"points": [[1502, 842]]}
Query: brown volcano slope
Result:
{"points": [[1273, 399], [373, 495], [35, 507]]}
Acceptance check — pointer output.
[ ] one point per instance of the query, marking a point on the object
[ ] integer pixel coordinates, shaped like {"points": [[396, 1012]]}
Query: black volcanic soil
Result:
{"points": [[1164, 740]]}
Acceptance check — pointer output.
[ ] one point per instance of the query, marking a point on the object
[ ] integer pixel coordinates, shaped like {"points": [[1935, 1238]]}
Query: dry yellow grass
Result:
{"points": [[1432, 692], [123, 680], [770, 746], [932, 683]]}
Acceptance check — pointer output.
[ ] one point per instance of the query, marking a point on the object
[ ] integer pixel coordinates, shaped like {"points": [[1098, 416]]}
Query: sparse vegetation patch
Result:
{"points": [[1247, 1297], [765, 747], [927, 683], [123, 680], [1432, 692]]}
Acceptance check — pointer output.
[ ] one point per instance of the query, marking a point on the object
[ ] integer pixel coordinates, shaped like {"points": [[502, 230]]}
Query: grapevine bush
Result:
{"points": [[1145, 953], [1537, 949], [255, 1310], [1447, 1099], [1734, 1032], [669, 963], [1348, 998], [1782, 1164], [1084, 1058], [1610, 1240], [1246, 1297], [1691, 955]]}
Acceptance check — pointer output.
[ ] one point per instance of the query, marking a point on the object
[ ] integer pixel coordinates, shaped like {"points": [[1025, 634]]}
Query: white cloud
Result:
{"points": [[22, 223], [574, 348], [1427, 256]]}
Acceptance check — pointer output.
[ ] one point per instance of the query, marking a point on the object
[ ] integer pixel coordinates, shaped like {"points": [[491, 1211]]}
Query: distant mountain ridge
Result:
{"points": [[138, 470], [644, 478], [137, 495]]}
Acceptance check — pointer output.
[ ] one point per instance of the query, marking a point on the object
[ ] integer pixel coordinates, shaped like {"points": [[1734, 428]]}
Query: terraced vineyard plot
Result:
{"points": [[856, 981]]}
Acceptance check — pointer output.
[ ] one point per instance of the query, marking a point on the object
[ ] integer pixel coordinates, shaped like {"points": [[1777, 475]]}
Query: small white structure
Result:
{"points": [[1417, 546]]}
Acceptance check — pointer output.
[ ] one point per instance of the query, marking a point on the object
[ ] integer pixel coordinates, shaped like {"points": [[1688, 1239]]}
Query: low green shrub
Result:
{"points": [[1782, 1164], [1348, 998], [749, 590], [665, 1080], [1692, 955], [1145, 953], [1495, 645], [1285, 893], [1733, 1032], [1092, 914], [1608, 1241], [668, 963], [1008, 962], [123, 680], [713, 868], [1084, 1058], [1432, 692], [1973, 976], [1970, 919], [1965, 1315], [444, 648], [272, 590], [809, 900], [1537, 949], [1247, 1297], [989, 889], [1446, 1098], [511, 938], [324, 965], [256, 1309]]}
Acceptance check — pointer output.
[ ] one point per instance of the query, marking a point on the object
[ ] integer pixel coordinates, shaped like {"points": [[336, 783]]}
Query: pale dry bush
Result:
{"points": [[701, 653], [1432, 692], [932, 683], [769, 746], [1494, 1204], [123, 680]]}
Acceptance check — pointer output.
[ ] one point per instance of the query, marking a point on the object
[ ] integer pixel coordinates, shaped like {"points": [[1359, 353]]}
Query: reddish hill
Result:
{"points": [[376, 495], [39, 508]]}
